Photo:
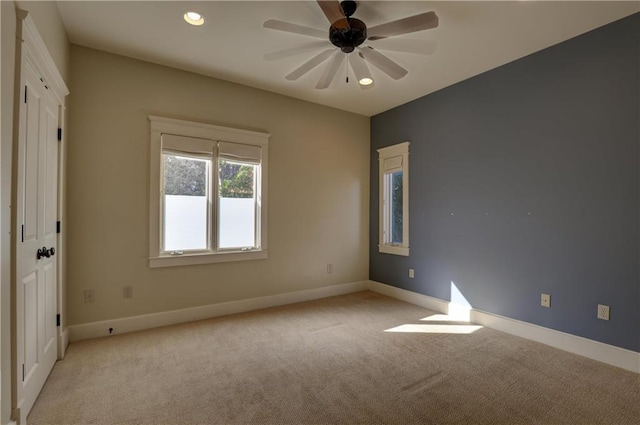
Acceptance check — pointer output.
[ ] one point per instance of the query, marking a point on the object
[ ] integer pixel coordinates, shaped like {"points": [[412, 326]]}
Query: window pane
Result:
{"points": [[396, 207], [237, 204], [185, 203]]}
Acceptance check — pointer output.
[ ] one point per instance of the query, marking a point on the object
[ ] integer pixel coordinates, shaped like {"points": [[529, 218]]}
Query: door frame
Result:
{"points": [[31, 47]]}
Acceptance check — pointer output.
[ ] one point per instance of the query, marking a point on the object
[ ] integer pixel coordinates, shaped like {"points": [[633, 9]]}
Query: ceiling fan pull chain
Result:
{"points": [[346, 69]]}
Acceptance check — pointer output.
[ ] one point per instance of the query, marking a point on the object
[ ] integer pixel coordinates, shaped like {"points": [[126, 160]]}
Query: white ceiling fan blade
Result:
{"points": [[292, 51], [309, 65], [274, 24], [333, 11], [418, 47], [423, 21], [331, 70], [361, 70], [383, 63]]}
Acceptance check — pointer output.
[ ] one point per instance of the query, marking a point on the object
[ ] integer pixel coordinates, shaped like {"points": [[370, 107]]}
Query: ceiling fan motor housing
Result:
{"points": [[348, 37]]}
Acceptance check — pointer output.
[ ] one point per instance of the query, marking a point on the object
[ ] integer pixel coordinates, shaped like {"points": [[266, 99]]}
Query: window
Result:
{"points": [[208, 198], [394, 199]]}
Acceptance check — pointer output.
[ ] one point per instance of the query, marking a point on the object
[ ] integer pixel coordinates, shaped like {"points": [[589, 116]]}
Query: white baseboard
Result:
{"points": [[155, 320], [430, 303], [616, 356], [605, 353], [63, 340]]}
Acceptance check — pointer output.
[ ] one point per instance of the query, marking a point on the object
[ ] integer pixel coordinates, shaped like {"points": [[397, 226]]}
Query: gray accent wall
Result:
{"points": [[524, 180]]}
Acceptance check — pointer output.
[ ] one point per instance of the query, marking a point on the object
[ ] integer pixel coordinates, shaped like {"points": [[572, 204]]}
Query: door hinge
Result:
{"points": [[59, 134], [57, 227], [22, 372], [25, 94], [57, 319], [22, 233]]}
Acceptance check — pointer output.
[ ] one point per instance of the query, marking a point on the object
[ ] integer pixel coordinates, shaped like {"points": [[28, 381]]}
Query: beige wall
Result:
{"points": [[318, 189], [49, 24]]}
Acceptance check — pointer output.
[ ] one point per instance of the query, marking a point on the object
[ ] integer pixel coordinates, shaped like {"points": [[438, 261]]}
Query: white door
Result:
{"points": [[37, 183]]}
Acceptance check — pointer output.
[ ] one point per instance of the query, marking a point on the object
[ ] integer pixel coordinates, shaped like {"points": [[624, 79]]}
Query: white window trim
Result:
{"points": [[160, 125], [401, 149]]}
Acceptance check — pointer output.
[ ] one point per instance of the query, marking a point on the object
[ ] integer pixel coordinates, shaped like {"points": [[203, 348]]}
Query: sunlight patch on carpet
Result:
{"points": [[442, 318], [435, 329]]}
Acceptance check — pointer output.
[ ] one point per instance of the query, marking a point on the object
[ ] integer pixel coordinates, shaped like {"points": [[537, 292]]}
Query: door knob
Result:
{"points": [[44, 252]]}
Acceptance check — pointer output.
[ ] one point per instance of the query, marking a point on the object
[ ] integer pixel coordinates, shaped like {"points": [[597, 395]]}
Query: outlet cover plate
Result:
{"points": [[603, 312], [127, 291], [411, 273], [545, 300], [89, 296]]}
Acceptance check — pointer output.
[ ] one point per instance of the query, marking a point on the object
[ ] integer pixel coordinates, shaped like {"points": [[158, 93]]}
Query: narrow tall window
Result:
{"points": [[394, 199], [393, 184], [212, 203]]}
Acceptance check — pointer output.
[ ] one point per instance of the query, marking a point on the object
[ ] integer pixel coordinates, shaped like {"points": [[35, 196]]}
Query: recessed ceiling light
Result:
{"points": [[194, 18], [365, 81]]}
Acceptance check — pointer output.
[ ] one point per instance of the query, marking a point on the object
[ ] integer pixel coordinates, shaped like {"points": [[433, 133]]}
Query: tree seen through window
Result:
{"points": [[236, 180], [188, 177]]}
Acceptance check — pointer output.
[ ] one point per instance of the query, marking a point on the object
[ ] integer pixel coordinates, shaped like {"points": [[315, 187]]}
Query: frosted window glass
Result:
{"points": [[185, 222]]}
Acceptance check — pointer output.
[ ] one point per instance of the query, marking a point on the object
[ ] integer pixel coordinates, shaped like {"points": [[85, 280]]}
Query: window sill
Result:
{"points": [[396, 250], [192, 259]]}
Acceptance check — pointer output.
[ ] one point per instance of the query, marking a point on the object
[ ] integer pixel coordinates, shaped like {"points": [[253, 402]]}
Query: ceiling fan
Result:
{"points": [[348, 35]]}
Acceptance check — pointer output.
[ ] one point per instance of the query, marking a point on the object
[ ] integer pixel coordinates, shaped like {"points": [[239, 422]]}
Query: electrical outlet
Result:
{"points": [[411, 274], [89, 296], [329, 268], [545, 300], [603, 312], [127, 291]]}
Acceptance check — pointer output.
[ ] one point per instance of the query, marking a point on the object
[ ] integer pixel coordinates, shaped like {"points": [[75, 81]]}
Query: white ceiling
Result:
{"points": [[473, 37]]}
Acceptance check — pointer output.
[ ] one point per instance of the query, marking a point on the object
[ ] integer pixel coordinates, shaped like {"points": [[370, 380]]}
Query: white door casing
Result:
{"points": [[36, 336]]}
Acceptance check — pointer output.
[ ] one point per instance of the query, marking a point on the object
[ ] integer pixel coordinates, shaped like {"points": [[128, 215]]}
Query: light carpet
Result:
{"points": [[331, 361]]}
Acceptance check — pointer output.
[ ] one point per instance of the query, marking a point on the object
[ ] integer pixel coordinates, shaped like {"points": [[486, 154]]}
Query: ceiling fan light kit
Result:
{"points": [[348, 34], [361, 70]]}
